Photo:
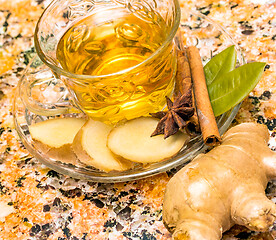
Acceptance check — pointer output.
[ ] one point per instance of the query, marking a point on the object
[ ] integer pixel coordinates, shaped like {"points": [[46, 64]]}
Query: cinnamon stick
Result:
{"points": [[184, 80], [205, 113], [183, 74], [184, 84]]}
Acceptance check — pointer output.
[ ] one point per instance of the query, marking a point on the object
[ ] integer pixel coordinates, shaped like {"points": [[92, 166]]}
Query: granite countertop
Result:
{"points": [[39, 203]]}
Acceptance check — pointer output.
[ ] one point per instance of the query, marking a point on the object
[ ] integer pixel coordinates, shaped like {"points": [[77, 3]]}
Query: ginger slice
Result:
{"points": [[132, 140], [90, 147], [56, 132], [55, 136]]}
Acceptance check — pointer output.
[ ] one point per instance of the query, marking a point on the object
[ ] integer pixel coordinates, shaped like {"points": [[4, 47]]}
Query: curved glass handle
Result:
{"points": [[43, 93]]}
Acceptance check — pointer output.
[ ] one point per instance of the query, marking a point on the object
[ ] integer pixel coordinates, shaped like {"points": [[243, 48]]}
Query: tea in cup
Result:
{"points": [[116, 58]]}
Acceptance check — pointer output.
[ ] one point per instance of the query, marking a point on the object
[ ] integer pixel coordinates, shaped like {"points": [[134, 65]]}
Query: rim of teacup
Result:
{"points": [[60, 71]]}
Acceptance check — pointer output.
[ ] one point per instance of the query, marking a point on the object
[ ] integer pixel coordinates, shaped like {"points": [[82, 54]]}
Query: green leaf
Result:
{"points": [[220, 64], [231, 88]]}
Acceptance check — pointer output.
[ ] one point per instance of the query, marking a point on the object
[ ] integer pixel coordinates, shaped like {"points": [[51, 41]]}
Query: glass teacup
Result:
{"points": [[116, 58]]}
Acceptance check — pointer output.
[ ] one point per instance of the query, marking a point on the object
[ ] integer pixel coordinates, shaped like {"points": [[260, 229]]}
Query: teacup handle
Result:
{"points": [[43, 93]]}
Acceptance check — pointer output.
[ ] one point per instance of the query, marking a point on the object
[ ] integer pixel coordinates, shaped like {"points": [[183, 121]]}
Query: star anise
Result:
{"points": [[175, 119]]}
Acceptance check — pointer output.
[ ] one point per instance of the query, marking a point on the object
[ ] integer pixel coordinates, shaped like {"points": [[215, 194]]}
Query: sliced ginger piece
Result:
{"points": [[55, 137], [56, 132], [90, 147], [132, 140]]}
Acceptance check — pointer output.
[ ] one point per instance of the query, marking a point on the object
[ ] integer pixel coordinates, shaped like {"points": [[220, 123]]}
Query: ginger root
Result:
{"points": [[224, 187]]}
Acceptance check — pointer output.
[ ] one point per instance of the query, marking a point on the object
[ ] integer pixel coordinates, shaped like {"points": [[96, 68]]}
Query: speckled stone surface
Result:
{"points": [[38, 203]]}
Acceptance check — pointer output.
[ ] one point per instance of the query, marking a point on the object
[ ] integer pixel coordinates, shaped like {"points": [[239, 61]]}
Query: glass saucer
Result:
{"points": [[198, 30]]}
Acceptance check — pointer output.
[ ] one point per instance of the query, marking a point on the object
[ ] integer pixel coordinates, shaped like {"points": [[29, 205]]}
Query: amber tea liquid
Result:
{"points": [[116, 41]]}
